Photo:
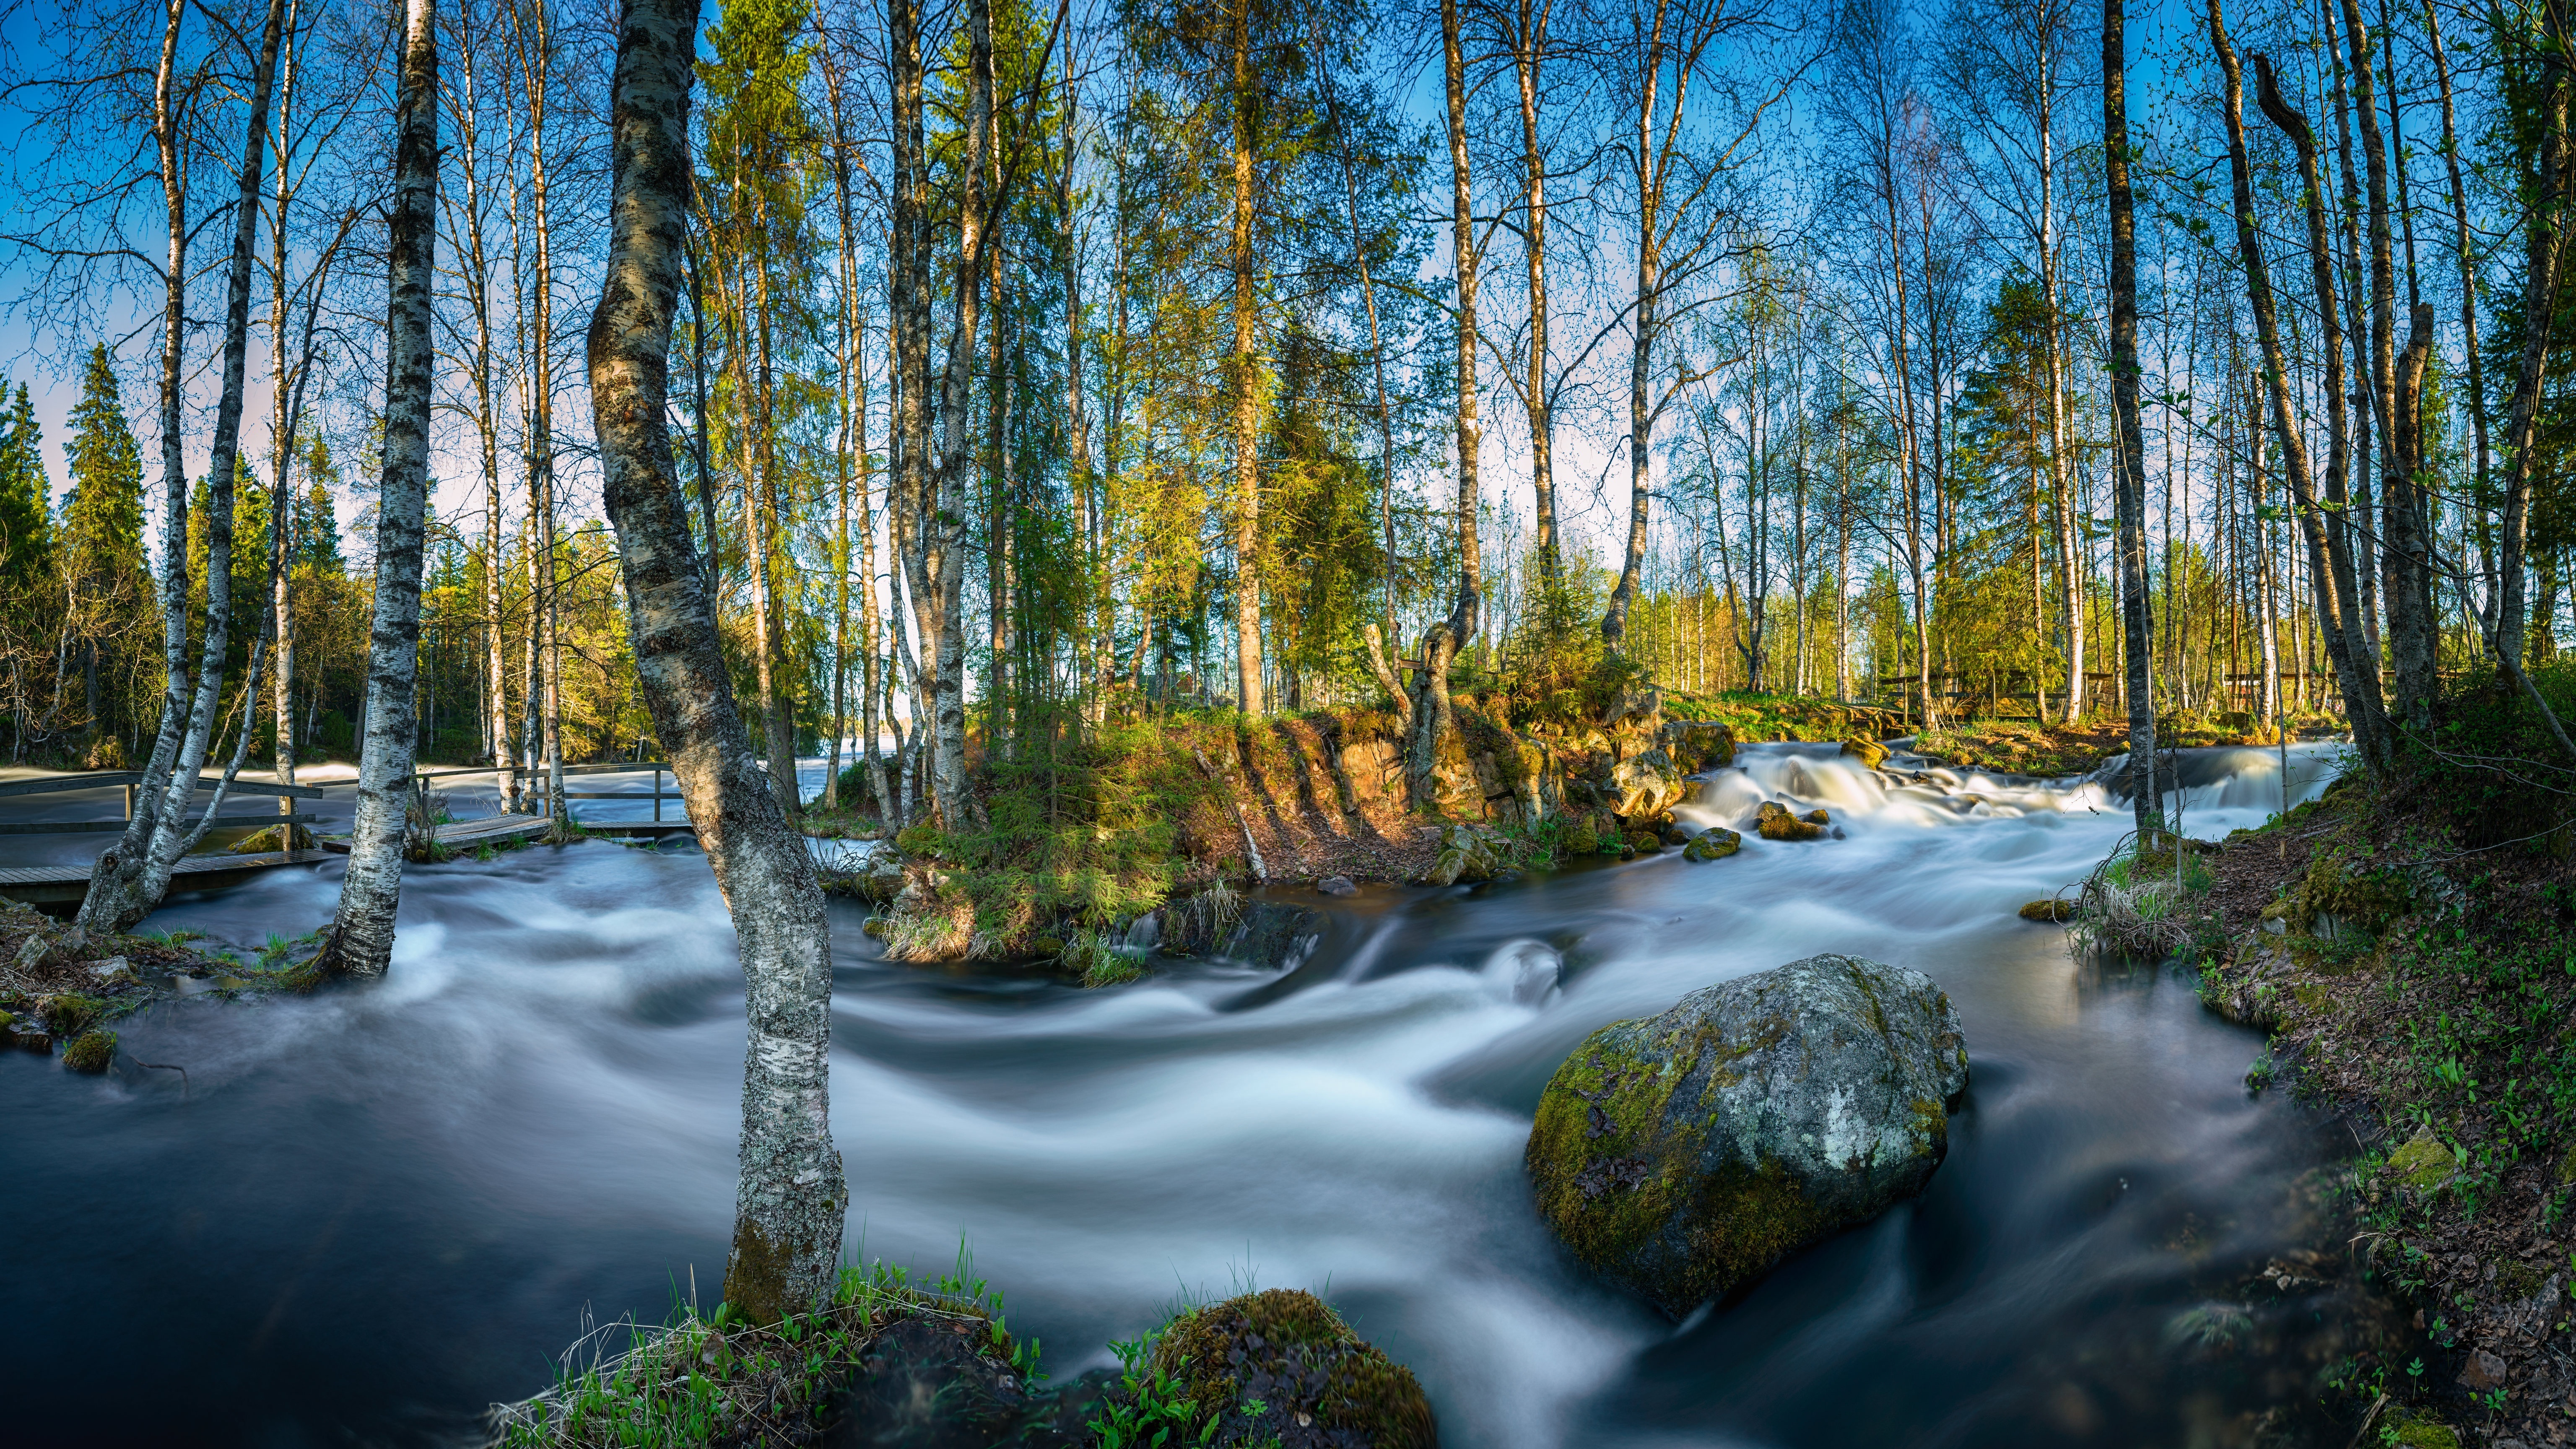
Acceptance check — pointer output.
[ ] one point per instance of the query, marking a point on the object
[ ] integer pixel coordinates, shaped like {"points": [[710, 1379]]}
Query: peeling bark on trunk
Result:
{"points": [[790, 1199], [361, 941]]}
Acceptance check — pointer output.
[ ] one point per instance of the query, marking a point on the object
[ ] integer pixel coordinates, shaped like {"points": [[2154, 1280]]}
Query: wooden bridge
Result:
{"points": [[64, 883]]}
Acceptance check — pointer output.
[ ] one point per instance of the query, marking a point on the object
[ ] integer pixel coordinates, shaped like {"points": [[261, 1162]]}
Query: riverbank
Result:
{"points": [[60, 991], [2415, 976]]}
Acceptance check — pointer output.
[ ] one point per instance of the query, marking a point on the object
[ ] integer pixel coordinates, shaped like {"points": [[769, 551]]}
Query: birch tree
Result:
{"points": [[790, 1198], [361, 938]]}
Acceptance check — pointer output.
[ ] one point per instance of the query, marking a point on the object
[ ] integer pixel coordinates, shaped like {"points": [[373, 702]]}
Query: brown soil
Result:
{"points": [[2448, 1028]]}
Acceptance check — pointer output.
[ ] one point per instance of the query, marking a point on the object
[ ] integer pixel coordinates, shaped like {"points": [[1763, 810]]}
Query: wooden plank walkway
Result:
{"points": [[65, 883], [492, 829]]}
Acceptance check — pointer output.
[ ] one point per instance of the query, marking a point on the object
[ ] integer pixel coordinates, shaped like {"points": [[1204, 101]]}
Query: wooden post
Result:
{"points": [[657, 794]]}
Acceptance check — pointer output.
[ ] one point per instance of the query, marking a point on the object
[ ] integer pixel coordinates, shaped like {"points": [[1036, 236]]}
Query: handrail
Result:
{"points": [[102, 827], [103, 779]]}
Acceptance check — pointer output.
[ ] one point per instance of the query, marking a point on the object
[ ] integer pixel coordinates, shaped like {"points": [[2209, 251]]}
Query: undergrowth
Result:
{"points": [[718, 1380]]}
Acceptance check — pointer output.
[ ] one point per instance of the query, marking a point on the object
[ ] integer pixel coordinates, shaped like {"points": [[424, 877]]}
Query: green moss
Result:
{"points": [[2421, 1431], [2423, 1164], [1580, 839], [92, 1052], [1614, 1179], [71, 1013], [1318, 1369]]}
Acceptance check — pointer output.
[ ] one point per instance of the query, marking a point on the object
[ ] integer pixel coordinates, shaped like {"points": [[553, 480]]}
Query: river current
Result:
{"points": [[362, 1215]]}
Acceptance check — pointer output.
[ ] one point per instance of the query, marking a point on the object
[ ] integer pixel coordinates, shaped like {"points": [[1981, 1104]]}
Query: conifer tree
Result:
{"points": [[26, 532]]}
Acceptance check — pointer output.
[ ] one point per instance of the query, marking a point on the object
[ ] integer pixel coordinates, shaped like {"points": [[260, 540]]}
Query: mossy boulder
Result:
{"points": [[1317, 1384], [1644, 785], [1870, 753], [1467, 853], [1714, 843], [2423, 1165], [1775, 821], [1580, 839], [1698, 744], [1685, 1154], [2053, 909], [92, 1052]]}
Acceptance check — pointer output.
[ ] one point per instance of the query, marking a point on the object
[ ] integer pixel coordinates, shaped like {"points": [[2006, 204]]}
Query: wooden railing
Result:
{"points": [[133, 779]]}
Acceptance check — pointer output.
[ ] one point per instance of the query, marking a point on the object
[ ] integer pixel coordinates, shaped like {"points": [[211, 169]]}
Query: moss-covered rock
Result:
{"points": [[2423, 1165], [1714, 843], [2052, 909], [1698, 744], [1870, 753], [69, 1013], [1645, 784], [1579, 839], [92, 1052], [1774, 821], [1317, 1384], [1685, 1154], [2417, 1430], [1467, 853]]}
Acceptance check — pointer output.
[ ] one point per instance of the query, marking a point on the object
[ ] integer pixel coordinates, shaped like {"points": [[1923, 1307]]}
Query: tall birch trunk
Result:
{"points": [[361, 941], [789, 1202], [132, 875]]}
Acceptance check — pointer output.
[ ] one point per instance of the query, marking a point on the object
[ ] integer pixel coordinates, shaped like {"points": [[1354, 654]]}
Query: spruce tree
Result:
{"points": [[110, 591], [26, 533]]}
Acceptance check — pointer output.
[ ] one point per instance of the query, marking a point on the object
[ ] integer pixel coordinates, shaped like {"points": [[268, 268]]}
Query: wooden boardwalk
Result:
{"points": [[493, 829], [64, 884]]}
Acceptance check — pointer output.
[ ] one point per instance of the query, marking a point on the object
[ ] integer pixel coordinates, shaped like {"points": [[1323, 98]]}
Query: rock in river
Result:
{"points": [[1685, 1154]]}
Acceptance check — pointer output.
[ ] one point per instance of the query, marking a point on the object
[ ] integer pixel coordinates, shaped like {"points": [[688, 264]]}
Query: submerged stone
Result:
{"points": [[2051, 909], [1685, 1154]]}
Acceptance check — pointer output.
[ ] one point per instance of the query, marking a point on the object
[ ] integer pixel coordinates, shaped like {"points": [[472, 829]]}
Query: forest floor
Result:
{"points": [[2424, 990]]}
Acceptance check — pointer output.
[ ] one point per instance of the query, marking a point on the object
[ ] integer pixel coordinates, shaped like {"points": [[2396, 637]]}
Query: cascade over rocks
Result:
{"points": [[1685, 1154]]}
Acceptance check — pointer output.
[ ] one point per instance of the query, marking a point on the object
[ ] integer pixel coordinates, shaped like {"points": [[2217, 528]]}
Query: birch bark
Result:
{"points": [[790, 1198], [132, 875], [361, 939]]}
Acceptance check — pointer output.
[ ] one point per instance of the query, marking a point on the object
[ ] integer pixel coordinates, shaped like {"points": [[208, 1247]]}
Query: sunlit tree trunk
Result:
{"points": [[1243, 382]]}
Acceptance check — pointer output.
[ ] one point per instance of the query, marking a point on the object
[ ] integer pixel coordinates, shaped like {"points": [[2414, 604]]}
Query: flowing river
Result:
{"points": [[364, 1214]]}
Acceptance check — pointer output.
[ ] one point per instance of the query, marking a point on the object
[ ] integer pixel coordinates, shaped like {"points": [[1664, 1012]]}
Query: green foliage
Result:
{"points": [[1149, 1409]]}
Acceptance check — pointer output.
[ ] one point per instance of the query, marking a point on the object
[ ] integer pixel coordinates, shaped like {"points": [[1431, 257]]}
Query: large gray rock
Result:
{"points": [[1685, 1154], [1645, 785]]}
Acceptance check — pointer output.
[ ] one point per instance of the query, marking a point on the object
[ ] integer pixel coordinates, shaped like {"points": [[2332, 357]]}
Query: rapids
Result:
{"points": [[366, 1213]]}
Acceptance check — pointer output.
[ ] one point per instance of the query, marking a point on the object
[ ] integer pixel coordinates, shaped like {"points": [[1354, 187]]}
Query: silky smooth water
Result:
{"points": [[364, 1214]]}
